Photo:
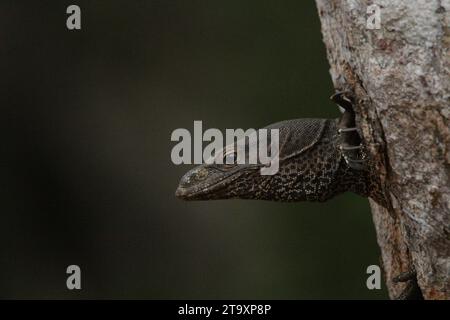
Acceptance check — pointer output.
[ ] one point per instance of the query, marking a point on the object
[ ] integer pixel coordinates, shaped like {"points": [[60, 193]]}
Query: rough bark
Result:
{"points": [[400, 77]]}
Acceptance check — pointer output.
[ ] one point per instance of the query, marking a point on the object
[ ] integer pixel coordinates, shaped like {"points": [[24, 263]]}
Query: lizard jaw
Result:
{"points": [[188, 194], [209, 191]]}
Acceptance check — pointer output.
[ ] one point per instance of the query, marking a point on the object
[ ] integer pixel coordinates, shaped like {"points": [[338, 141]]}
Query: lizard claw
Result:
{"points": [[343, 100], [405, 276]]}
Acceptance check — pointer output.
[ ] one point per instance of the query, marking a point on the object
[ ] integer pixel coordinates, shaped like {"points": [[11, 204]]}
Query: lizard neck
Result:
{"points": [[318, 174]]}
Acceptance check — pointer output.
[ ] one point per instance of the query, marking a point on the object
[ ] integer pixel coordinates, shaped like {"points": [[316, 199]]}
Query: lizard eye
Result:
{"points": [[230, 158]]}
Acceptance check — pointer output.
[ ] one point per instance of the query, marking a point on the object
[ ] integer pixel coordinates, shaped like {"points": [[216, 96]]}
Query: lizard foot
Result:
{"points": [[351, 142], [343, 100], [412, 289]]}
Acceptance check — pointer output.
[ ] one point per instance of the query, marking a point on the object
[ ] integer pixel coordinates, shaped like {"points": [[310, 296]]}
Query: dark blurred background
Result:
{"points": [[86, 172]]}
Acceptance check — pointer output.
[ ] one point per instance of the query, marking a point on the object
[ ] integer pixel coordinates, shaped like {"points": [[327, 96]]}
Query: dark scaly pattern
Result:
{"points": [[316, 174]]}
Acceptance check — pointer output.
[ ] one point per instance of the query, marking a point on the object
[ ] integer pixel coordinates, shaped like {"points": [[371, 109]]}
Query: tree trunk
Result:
{"points": [[399, 75]]}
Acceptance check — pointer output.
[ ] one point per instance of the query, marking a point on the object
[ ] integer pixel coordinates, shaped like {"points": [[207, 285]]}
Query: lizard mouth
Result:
{"points": [[208, 192]]}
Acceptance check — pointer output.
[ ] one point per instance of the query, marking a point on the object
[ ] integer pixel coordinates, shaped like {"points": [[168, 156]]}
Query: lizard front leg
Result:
{"points": [[351, 143]]}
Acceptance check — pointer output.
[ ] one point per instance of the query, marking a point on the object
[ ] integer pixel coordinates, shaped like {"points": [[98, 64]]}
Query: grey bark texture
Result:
{"points": [[400, 77]]}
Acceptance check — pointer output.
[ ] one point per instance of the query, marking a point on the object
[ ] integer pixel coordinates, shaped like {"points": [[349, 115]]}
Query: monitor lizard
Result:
{"points": [[318, 159]]}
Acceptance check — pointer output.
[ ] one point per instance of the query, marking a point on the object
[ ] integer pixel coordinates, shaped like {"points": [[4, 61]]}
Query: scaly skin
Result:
{"points": [[316, 173]]}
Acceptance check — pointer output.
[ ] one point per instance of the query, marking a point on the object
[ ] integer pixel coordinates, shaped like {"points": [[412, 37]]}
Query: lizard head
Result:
{"points": [[218, 181], [300, 162]]}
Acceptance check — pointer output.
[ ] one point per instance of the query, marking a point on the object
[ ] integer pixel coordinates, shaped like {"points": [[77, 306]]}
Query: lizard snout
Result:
{"points": [[189, 180], [181, 192]]}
